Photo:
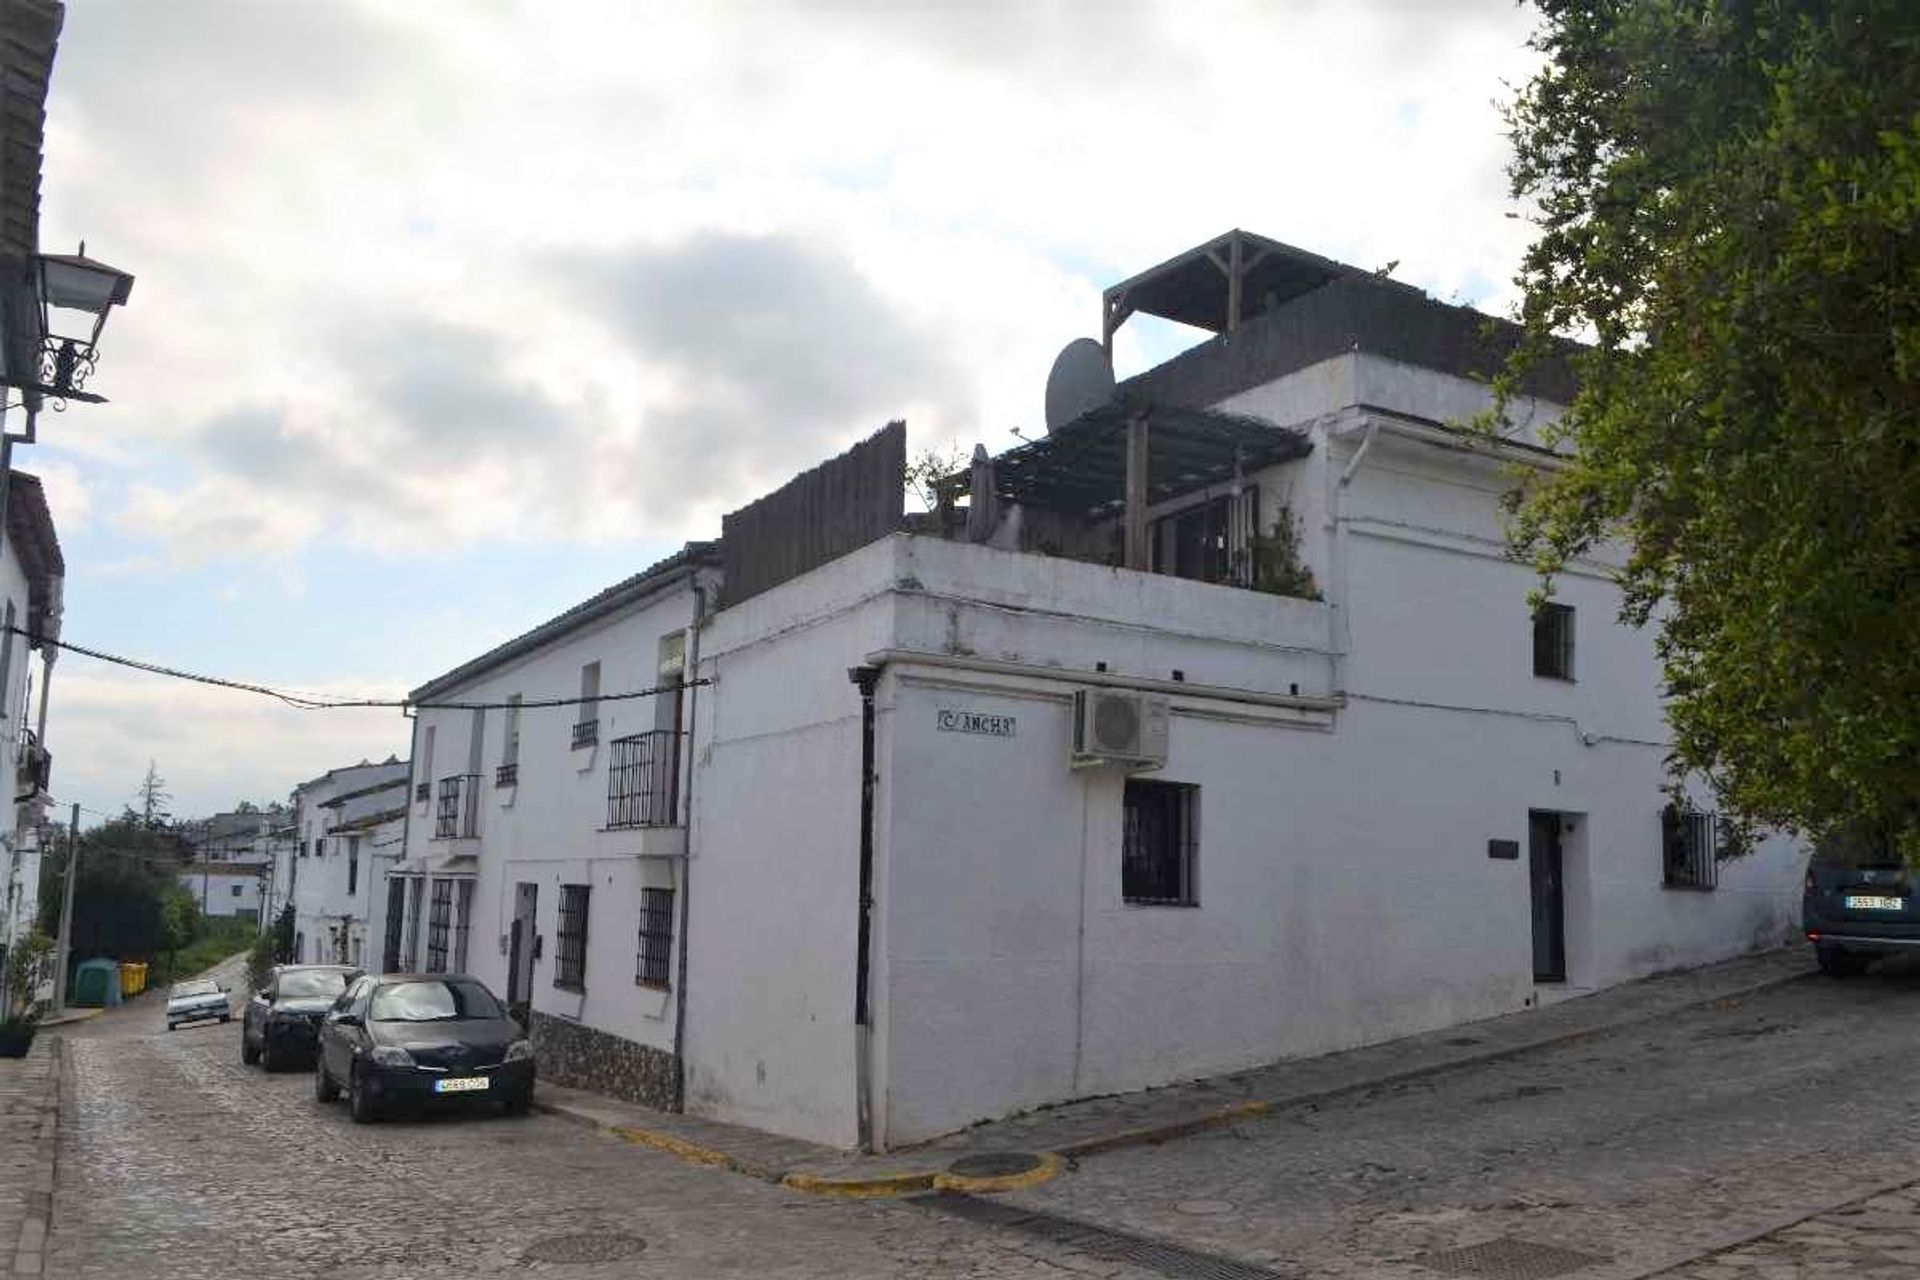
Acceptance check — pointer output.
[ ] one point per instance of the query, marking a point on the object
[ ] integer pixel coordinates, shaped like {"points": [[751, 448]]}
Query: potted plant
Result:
{"points": [[26, 966]]}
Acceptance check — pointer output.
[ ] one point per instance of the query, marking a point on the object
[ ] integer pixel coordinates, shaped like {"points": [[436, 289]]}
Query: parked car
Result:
{"points": [[1859, 903], [196, 1000], [421, 1040], [281, 1024]]}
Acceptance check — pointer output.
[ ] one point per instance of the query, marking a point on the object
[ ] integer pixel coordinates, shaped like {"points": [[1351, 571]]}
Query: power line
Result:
{"points": [[306, 702]]}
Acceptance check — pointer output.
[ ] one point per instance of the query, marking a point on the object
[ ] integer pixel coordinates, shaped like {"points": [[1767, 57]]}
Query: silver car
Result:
{"points": [[192, 1001]]}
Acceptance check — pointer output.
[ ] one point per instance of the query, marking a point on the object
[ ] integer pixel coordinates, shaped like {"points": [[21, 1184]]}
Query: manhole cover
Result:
{"points": [[994, 1164], [1507, 1259], [1204, 1208], [592, 1246]]}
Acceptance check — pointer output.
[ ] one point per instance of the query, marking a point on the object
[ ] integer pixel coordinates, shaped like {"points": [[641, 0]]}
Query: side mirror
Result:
{"points": [[347, 1020]]}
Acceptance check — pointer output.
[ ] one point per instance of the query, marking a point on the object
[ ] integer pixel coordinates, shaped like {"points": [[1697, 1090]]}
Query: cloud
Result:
{"points": [[69, 495], [214, 747]]}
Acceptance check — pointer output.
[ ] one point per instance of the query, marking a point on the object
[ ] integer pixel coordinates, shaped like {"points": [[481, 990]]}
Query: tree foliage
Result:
{"points": [[1727, 194], [128, 873]]}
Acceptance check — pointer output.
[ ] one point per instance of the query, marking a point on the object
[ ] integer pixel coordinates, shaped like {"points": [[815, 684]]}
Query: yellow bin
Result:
{"points": [[133, 978]]}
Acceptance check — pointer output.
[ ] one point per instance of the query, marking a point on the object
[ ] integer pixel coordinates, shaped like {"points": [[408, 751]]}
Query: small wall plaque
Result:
{"points": [[992, 726], [1508, 850]]}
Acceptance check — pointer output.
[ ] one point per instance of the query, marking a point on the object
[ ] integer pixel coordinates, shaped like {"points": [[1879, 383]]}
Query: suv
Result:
{"points": [[1860, 903]]}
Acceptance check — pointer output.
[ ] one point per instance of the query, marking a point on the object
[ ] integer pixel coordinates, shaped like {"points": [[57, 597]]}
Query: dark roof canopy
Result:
{"points": [[1196, 287], [1081, 469]]}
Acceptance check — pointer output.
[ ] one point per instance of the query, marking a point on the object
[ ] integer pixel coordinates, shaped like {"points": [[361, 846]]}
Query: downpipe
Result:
{"points": [[686, 861], [865, 678]]}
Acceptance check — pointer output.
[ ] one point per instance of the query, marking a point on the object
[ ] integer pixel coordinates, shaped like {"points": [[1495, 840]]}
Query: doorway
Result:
{"points": [[1546, 862], [520, 936]]}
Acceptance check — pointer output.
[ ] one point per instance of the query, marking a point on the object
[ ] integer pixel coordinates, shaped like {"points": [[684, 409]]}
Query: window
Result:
{"points": [[353, 865], [586, 730], [396, 914], [509, 772], [571, 972], [236, 890], [1553, 641], [462, 922], [439, 920], [654, 965], [6, 662], [299, 947], [1157, 855], [1688, 849], [425, 788]]}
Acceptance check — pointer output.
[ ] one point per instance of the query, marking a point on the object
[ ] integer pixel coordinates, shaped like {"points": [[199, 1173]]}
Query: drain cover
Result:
{"points": [[994, 1164], [1507, 1259], [592, 1246]]}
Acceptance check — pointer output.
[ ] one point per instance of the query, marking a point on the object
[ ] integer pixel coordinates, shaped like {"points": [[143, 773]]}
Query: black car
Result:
{"points": [[282, 1022], [421, 1039], [1859, 903]]}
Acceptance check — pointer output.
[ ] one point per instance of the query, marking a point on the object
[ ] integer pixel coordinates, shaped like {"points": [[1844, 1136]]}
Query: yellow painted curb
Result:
{"points": [[1048, 1169], [689, 1151], [886, 1184]]}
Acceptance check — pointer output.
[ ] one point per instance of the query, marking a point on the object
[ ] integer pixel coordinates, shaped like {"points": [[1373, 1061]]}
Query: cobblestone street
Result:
{"points": [[1756, 1139]]}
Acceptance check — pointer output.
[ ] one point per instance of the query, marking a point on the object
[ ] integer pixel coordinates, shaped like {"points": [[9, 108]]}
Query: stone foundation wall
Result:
{"points": [[585, 1058]]}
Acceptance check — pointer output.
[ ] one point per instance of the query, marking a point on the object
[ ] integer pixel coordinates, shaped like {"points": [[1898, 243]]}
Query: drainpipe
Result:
{"points": [[686, 862], [1341, 642], [865, 678]]}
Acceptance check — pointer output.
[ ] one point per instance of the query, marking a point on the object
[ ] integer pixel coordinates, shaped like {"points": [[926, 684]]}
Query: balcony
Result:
{"points": [[457, 816], [507, 775], [643, 781], [586, 733], [423, 791], [35, 765]]}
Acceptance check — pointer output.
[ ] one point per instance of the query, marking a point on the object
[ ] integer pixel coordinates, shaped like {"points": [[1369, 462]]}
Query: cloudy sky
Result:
{"points": [[449, 314]]}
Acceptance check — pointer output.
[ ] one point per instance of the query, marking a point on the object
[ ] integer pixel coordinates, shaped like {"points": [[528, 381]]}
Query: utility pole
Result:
{"points": [[66, 914]]}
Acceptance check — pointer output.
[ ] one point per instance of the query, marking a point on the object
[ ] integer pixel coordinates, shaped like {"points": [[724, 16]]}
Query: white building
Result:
{"points": [[32, 573], [225, 891], [347, 826], [1125, 825]]}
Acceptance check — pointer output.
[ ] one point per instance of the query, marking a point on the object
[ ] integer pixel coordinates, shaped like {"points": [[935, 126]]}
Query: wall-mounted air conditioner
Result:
{"points": [[1117, 726]]}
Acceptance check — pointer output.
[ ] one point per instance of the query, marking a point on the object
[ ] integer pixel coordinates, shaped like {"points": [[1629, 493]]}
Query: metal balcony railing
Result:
{"points": [[643, 780], [586, 733], [423, 791], [35, 769], [458, 814], [507, 775]]}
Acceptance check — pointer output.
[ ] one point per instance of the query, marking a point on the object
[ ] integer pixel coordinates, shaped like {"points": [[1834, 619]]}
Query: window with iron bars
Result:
{"points": [[570, 972], [1553, 641], [462, 926], [1159, 844], [653, 966], [439, 917], [1690, 851]]}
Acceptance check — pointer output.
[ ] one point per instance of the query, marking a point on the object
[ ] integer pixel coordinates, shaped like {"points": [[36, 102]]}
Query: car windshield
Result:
{"points": [[312, 984], [433, 1001], [183, 989]]}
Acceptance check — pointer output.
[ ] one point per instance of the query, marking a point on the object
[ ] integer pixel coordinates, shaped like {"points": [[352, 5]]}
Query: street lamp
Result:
{"points": [[75, 286]]}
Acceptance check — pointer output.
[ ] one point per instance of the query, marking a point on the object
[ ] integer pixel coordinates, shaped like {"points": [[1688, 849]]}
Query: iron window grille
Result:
{"points": [[571, 970], [1553, 641], [1160, 843], [654, 963], [353, 865], [439, 919], [643, 780], [1690, 849], [507, 775], [586, 733], [462, 926], [458, 815], [422, 791]]}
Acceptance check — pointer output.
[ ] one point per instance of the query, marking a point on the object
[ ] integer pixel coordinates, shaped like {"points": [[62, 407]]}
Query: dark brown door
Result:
{"points": [[1547, 878]]}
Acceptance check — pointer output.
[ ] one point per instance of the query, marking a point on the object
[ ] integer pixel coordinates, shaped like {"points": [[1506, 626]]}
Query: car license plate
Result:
{"points": [[461, 1084], [1873, 902]]}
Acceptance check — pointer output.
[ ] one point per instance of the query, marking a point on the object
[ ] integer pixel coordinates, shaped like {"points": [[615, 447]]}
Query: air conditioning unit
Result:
{"points": [[1116, 726]]}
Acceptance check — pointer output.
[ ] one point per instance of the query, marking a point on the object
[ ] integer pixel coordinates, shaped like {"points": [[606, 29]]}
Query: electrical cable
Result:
{"points": [[303, 702]]}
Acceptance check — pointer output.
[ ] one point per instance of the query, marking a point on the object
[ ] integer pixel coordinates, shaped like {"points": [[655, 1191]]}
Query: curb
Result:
{"points": [[1068, 1154], [36, 1228]]}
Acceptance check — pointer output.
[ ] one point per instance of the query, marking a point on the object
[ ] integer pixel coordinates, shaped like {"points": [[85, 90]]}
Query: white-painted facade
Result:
{"points": [[225, 891], [32, 577], [1368, 776], [347, 829]]}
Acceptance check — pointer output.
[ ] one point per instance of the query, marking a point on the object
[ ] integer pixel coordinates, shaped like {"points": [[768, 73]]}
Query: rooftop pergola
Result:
{"points": [[1122, 458]]}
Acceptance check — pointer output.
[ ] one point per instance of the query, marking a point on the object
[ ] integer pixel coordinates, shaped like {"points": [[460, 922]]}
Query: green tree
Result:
{"points": [[1727, 194], [181, 922], [127, 872]]}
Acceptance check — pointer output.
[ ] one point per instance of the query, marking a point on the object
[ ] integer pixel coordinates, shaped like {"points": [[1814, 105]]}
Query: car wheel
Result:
{"points": [[324, 1089], [359, 1105], [516, 1104], [268, 1058], [172, 1025], [249, 1051], [1837, 962], [225, 1018]]}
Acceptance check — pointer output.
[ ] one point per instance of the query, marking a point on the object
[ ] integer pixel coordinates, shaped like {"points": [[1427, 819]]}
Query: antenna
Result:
{"points": [[1081, 379]]}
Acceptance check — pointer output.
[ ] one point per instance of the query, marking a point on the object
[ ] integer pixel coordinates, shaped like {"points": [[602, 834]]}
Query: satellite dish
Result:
{"points": [[1081, 380]]}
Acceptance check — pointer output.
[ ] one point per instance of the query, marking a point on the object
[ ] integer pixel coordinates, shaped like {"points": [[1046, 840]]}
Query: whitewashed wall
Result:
{"points": [[225, 893], [19, 858]]}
